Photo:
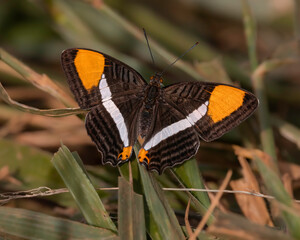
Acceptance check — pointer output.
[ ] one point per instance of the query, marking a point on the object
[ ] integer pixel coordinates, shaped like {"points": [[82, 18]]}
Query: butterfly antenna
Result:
{"points": [[145, 34], [168, 67]]}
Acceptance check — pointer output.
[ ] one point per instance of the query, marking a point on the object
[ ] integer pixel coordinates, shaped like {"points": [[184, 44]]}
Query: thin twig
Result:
{"points": [[186, 219], [212, 206], [46, 191]]}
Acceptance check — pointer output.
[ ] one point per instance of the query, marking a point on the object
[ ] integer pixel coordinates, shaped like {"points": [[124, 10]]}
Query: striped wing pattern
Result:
{"points": [[104, 132], [171, 120], [188, 96], [121, 78], [172, 140]]}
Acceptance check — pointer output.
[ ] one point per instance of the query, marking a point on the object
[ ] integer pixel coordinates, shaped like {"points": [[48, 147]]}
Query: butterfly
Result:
{"points": [[169, 121]]}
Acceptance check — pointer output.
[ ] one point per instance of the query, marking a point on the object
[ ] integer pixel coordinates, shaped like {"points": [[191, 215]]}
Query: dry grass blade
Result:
{"points": [[41, 81], [212, 198], [287, 130], [212, 206], [45, 112], [186, 219]]}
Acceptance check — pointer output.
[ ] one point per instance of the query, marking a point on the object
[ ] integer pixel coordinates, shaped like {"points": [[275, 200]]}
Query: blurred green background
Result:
{"points": [[36, 32]]}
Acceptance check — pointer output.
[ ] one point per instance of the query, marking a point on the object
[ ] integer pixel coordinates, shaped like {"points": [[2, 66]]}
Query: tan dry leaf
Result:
{"points": [[4, 172], [254, 208], [290, 168], [287, 183], [251, 153]]}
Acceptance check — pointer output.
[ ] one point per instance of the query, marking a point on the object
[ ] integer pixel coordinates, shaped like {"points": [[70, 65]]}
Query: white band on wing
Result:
{"points": [[113, 110], [176, 127]]}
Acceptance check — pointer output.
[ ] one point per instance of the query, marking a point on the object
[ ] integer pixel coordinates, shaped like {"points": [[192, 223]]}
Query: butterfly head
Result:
{"points": [[156, 79]]}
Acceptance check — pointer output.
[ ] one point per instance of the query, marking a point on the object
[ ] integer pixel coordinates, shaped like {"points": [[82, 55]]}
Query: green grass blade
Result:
{"points": [[189, 175], [258, 78], [33, 225], [131, 212], [162, 214], [81, 189], [250, 33], [233, 226]]}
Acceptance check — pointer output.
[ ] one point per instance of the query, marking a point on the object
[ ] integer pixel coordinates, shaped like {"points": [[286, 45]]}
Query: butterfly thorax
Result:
{"points": [[156, 80]]}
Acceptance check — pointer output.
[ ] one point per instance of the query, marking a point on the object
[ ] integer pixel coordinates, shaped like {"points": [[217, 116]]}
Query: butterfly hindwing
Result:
{"points": [[171, 140], [112, 127], [85, 68], [226, 106]]}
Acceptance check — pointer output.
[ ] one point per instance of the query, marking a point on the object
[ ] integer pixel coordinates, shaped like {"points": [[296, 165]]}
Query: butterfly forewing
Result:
{"points": [[85, 68], [227, 106]]}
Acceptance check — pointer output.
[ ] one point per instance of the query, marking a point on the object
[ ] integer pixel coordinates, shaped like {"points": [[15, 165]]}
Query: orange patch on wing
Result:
{"points": [[90, 66], [224, 100], [143, 155], [126, 153]]}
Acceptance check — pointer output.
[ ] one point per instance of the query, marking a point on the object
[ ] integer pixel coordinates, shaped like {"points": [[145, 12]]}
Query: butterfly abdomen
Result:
{"points": [[147, 113]]}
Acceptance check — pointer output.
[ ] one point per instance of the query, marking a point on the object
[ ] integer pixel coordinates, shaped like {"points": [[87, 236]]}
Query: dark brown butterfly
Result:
{"points": [[170, 120]]}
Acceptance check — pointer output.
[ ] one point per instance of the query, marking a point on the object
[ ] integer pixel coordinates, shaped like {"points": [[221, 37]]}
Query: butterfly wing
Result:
{"points": [[112, 127], [171, 140], [85, 68], [112, 90], [215, 108]]}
